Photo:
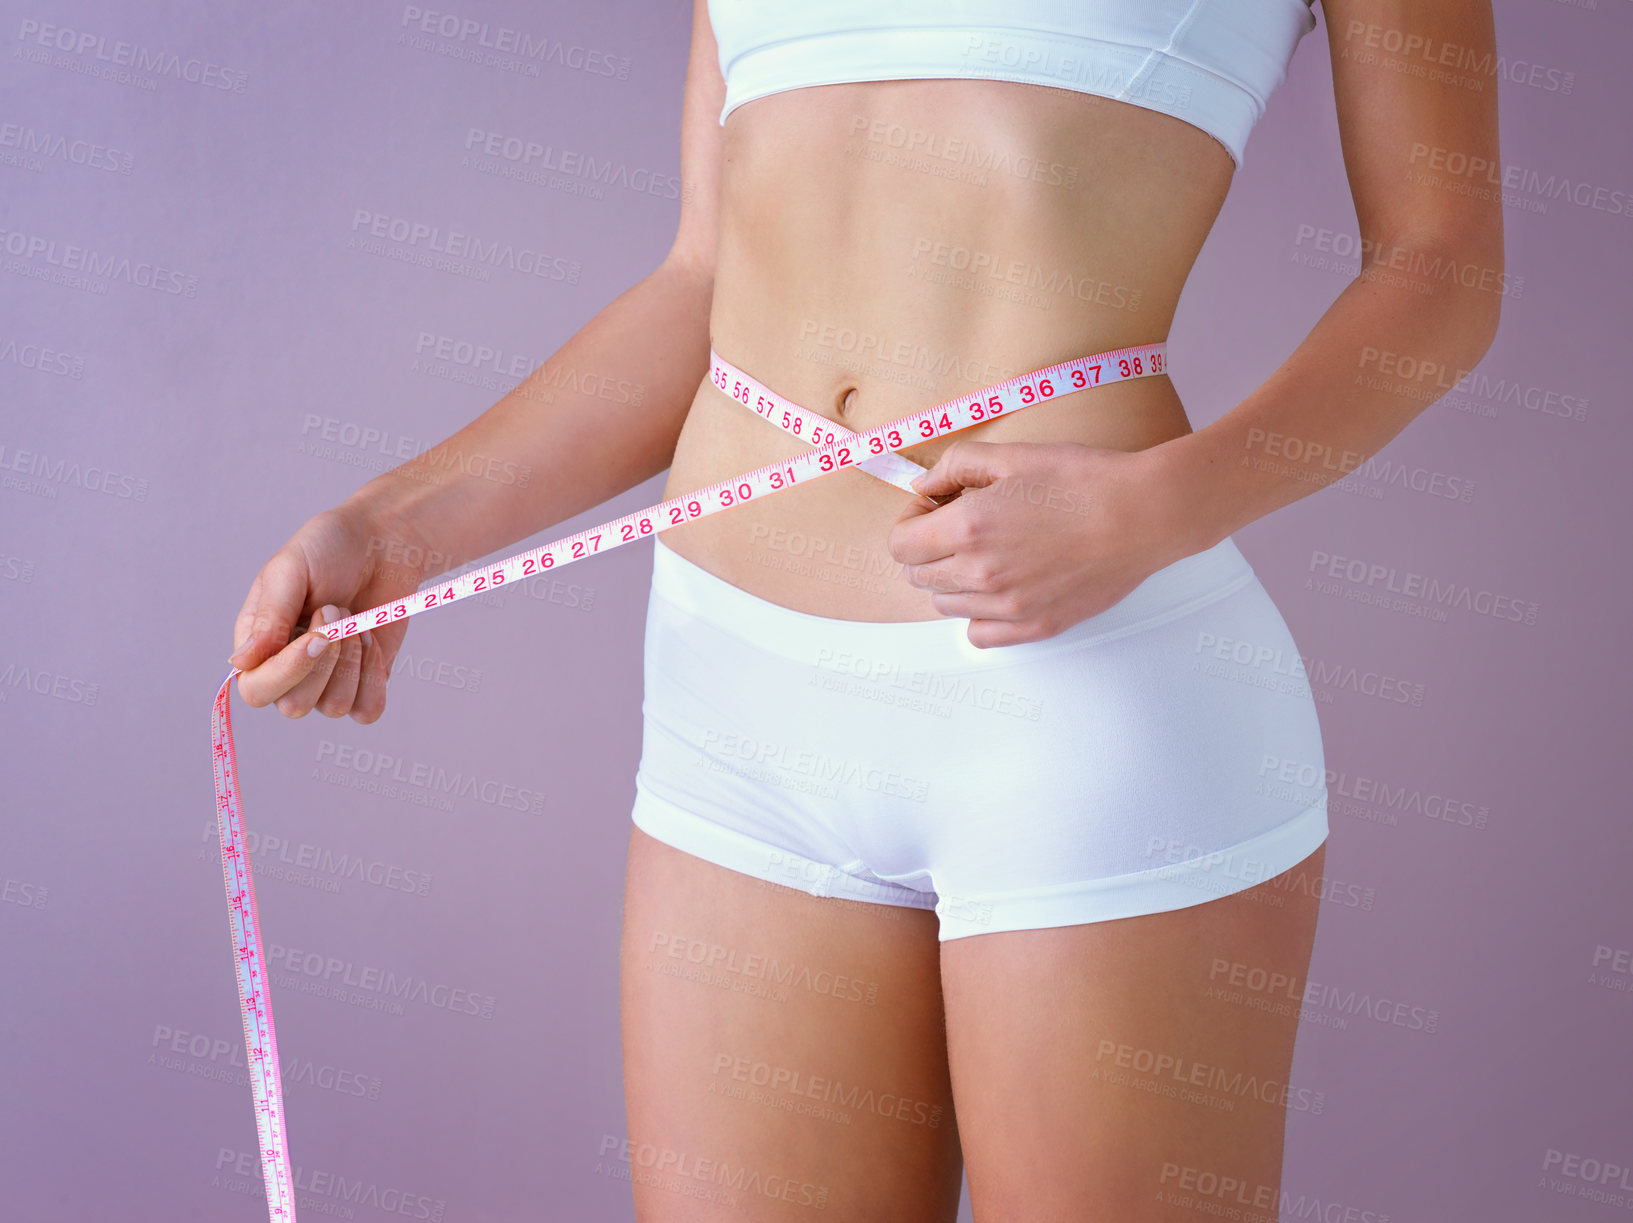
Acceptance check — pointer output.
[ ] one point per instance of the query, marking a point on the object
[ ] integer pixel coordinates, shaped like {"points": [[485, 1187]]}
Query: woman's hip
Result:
{"points": [[1188, 691]]}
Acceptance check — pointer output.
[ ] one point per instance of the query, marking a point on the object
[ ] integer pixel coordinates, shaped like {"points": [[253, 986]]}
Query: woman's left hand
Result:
{"points": [[1042, 534]]}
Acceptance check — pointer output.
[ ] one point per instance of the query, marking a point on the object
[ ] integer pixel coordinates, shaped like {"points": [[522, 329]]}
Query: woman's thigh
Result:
{"points": [[783, 1053], [1129, 1069]]}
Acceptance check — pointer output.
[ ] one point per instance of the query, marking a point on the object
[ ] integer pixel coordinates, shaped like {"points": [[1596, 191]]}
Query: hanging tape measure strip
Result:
{"points": [[872, 450]]}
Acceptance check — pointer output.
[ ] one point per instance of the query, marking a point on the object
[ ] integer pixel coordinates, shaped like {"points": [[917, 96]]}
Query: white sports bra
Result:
{"points": [[1212, 63]]}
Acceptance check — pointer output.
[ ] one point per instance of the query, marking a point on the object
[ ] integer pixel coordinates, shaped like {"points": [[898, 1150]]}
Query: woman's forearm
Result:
{"points": [[597, 418], [1416, 319]]}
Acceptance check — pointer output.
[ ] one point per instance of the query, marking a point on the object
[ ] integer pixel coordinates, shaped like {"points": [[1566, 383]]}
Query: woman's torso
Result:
{"points": [[917, 240]]}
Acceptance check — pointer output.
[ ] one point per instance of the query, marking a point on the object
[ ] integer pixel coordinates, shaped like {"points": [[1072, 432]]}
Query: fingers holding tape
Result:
{"points": [[313, 660], [370, 701], [346, 669], [273, 609]]}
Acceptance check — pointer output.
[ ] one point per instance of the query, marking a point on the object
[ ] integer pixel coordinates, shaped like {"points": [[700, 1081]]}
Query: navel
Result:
{"points": [[846, 398]]}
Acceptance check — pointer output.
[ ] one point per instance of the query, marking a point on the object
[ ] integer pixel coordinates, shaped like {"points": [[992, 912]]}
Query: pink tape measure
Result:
{"points": [[873, 451]]}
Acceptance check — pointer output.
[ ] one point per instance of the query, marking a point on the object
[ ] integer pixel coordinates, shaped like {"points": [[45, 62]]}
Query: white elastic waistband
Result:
{"points": [[941, 644]]}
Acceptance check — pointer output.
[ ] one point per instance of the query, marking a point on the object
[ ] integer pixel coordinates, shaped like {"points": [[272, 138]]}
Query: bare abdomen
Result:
{"points": [[889, 245]]}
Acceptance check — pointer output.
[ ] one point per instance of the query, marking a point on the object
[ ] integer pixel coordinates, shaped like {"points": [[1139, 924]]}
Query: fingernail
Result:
{"points": [[368, 637], [239, 648], [316, 646]]}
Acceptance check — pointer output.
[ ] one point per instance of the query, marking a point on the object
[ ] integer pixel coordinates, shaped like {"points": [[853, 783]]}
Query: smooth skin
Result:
{"points": [[791, 232]]}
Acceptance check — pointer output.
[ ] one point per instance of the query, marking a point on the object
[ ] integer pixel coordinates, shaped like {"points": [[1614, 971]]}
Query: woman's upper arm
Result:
{"points": [[1415, 83], [700, 145]]}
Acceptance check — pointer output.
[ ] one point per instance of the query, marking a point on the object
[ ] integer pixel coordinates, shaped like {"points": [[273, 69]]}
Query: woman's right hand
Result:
{"points": [[340, 561]]}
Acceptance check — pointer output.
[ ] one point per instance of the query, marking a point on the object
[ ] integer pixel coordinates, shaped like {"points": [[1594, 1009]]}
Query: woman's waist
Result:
{"points": [[822, 547], [763, 401]]}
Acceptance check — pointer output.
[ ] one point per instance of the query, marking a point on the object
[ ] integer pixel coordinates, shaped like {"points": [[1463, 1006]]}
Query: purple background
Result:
{"points": [[117, 608]]}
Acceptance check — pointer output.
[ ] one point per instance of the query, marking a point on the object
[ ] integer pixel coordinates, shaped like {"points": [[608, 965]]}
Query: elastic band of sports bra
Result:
{"points": [[845, 450]]}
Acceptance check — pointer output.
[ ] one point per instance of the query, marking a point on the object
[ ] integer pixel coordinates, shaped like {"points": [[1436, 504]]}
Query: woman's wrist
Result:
{"points": [[1190, 473], [392, 510]]}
